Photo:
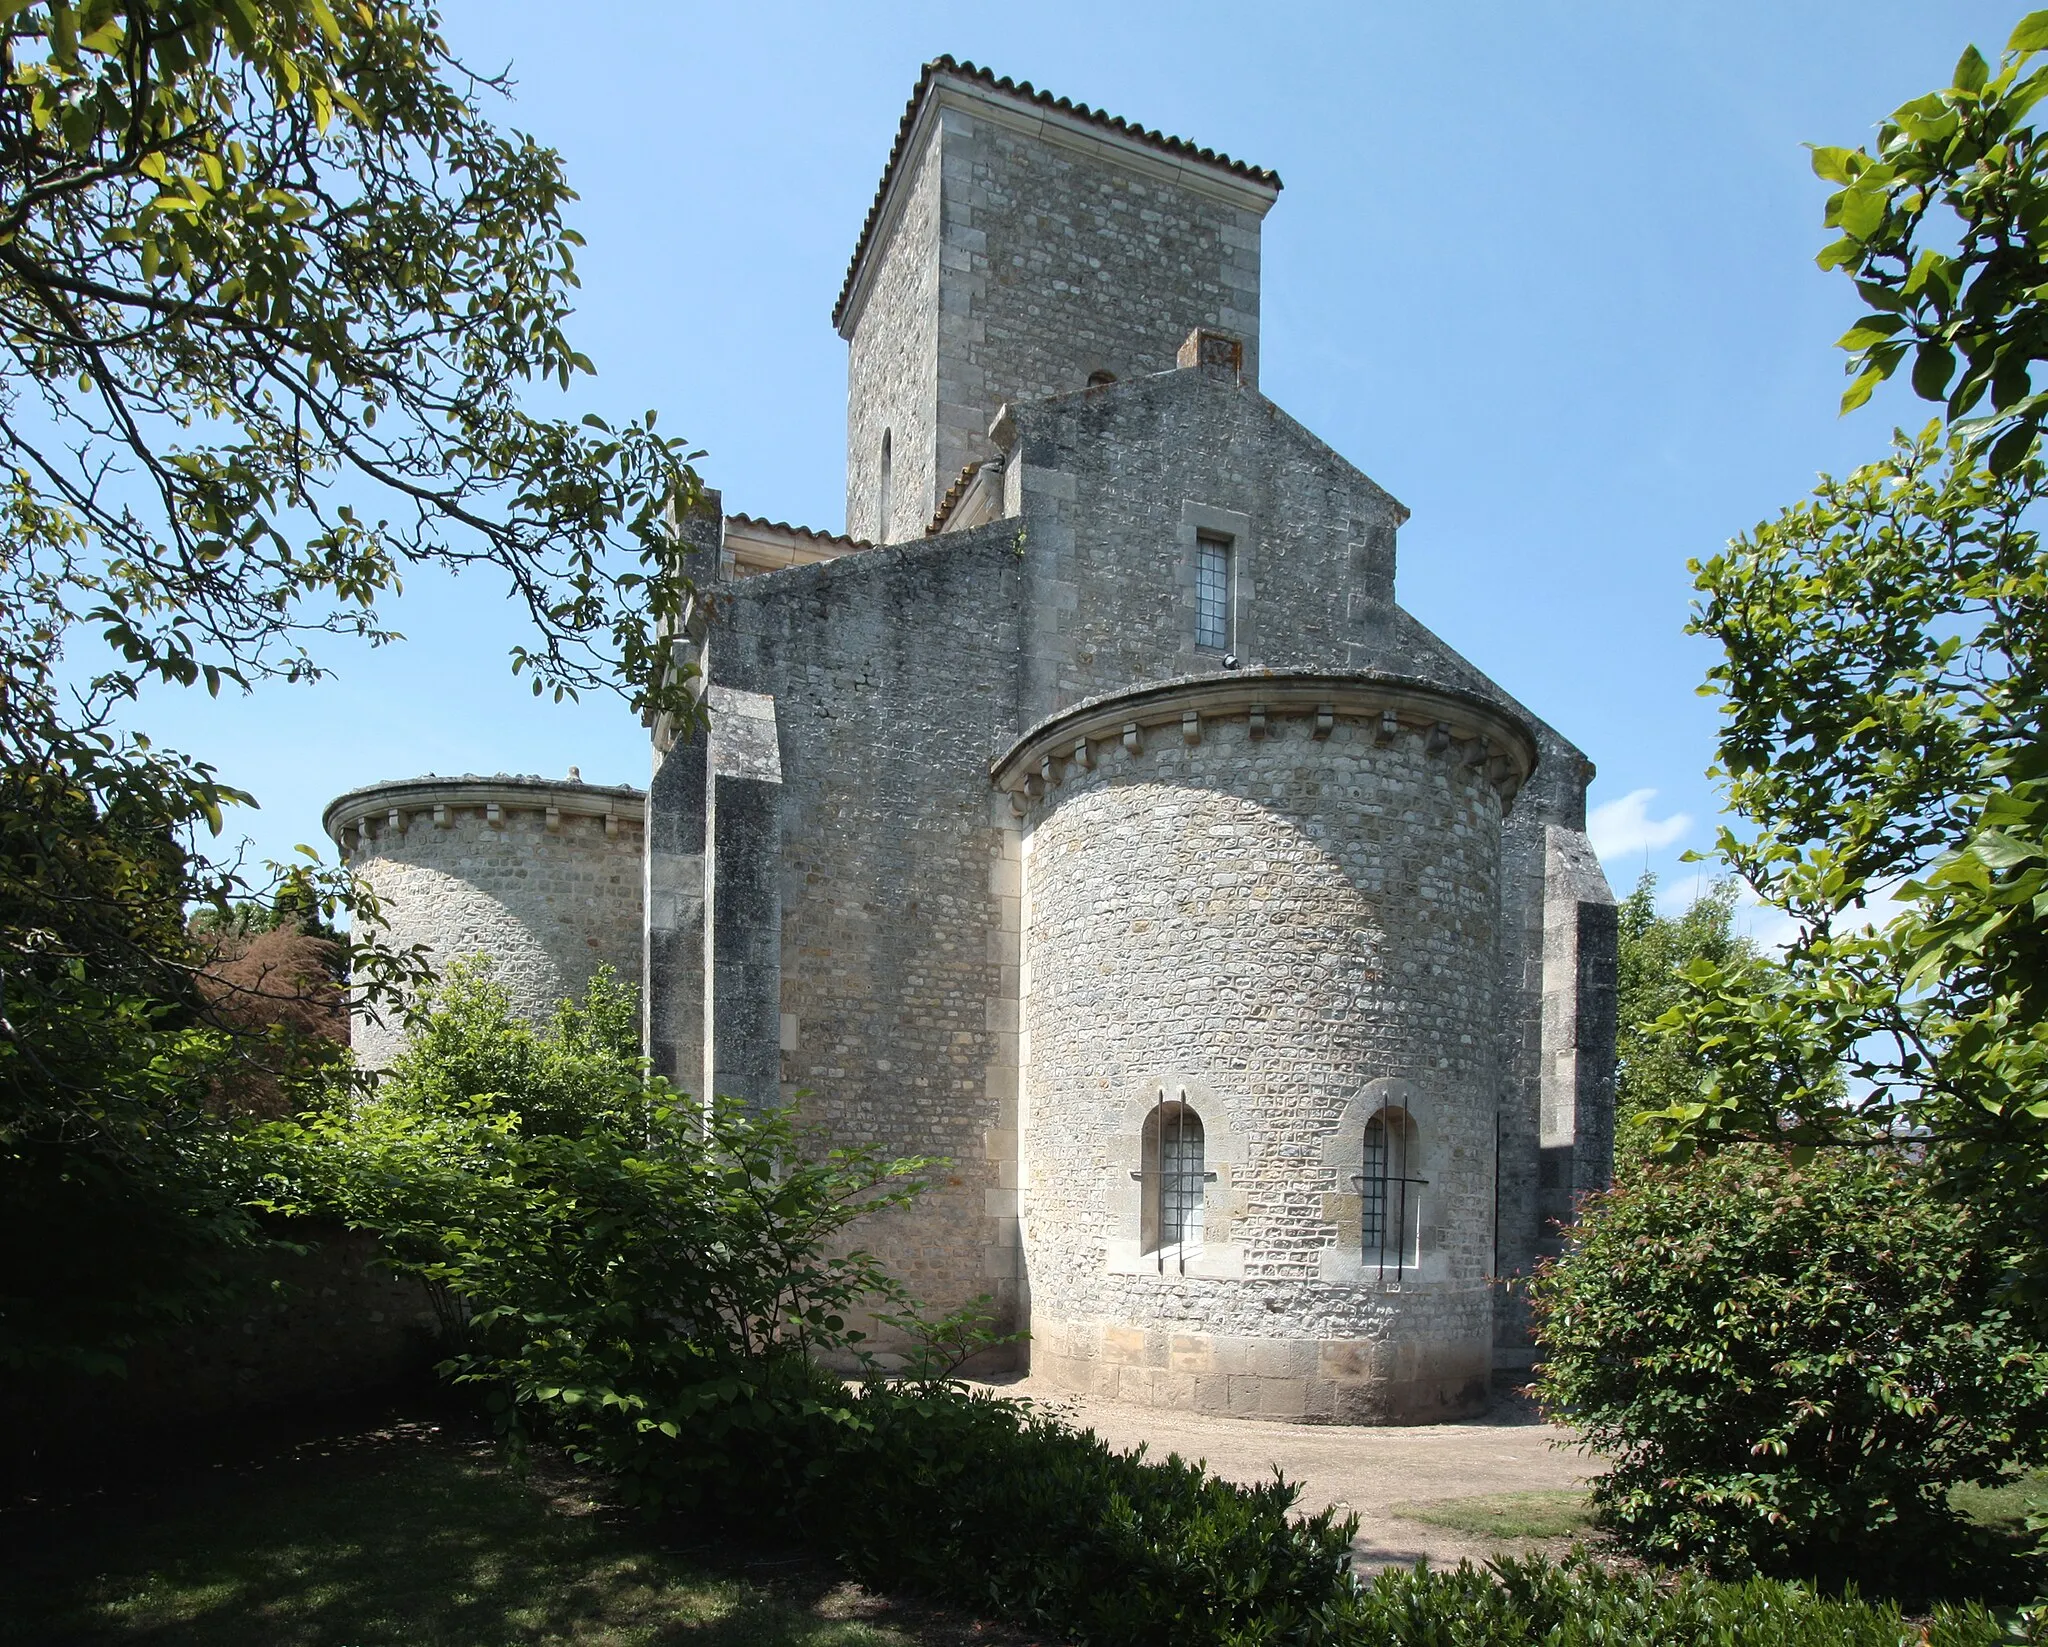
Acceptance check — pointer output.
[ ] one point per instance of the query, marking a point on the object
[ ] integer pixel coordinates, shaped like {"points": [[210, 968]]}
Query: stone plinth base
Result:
{"points": [[1301, 1381]]}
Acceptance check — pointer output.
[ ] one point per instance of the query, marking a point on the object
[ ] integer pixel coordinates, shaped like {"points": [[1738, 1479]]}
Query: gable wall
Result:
{"points": [[1114, 484]]}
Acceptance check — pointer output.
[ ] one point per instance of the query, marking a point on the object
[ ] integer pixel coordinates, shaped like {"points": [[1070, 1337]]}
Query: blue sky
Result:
{"points": [[1544, 270]]}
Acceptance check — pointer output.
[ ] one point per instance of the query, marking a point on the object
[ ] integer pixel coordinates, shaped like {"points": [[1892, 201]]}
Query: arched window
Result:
{"points": [[1391, 1198], [1175, 1171], [884, 502], [1101, 379]]}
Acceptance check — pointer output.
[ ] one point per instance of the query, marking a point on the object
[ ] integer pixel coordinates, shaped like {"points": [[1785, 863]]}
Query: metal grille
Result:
{"points": [[1174, 1171], [1180, 1181], [1212, 593], [1391, 1198]]}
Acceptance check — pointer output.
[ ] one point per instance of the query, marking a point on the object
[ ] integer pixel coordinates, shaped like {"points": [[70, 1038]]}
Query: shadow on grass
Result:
{"points": [[409, 1533]]}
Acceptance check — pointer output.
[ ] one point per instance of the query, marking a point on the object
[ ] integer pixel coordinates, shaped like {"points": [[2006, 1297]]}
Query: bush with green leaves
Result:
{"points": [[1788, 1365], [1578, 1603], [614, 1260], [647, 1281]]}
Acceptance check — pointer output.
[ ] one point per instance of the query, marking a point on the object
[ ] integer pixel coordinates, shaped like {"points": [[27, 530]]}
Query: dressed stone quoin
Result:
{"points": [[1091, 814]]}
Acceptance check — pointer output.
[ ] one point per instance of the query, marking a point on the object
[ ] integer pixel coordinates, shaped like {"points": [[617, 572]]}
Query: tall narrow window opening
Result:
{"points": [[1175, 1172], [1391, 1198], [1212, 592], [884, 500]]}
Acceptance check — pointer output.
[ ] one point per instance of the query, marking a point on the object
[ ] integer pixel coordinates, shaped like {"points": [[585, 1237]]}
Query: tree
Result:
{"points": [[274, 293], [1883, 683], [1941, 229], [1654, 1071]]}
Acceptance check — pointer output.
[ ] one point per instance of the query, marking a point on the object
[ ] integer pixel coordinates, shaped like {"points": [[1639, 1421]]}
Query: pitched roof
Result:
{"points": [[1024, 92]]}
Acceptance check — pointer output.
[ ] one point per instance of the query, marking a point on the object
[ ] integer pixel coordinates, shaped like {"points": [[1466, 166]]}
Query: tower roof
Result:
{"points": [[1024, 93]]}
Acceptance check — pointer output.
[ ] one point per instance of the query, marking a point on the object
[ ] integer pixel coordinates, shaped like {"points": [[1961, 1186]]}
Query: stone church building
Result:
{"points": [[1091, 814]]}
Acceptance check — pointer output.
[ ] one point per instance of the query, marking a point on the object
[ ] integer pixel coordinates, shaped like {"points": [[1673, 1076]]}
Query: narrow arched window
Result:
{"points": [[1175, 1172], [885, 499], [1391, 1189]]}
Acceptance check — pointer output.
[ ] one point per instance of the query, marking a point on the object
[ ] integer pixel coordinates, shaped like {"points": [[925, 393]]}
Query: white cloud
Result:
{"points": [[1618, 828]]}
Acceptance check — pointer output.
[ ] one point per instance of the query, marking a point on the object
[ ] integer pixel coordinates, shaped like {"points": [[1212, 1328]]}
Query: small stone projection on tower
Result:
{"points": [[1090, 812]]}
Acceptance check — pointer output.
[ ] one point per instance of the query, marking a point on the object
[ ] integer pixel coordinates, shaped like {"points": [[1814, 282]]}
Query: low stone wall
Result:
{"points": [[316, 1327]]}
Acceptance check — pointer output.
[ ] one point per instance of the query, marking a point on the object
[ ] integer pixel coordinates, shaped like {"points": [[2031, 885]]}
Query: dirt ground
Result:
{"points": [[1366, 1471]]}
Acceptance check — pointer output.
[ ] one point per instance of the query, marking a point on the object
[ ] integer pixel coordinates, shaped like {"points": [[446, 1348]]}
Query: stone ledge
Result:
{"points": [[1393, 704], [618, 804]]}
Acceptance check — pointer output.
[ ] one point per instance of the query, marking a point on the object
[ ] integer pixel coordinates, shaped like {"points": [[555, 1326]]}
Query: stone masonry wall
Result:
{"points": [[1272, 925], [1057, 264], [894, 679], [1017, 268], [891, 368], [1114, 485], [899, 675], [548, 905]]}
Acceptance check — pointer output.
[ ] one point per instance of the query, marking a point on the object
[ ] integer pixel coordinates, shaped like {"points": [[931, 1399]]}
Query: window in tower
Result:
{"points": [[1212, 592], [1174, 1173], [884, 500], [1391, 1202]]}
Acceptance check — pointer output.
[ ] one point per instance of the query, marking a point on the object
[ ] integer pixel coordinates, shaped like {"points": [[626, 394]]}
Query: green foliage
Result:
{"points": [[931, 1488], [1882, 688], [1788, 1366], [118, 1204], [1579, 1604], [1654, 1071], [618, 1262], [409, 1534], [275, 292], [1940, 228], [1885, 668]]}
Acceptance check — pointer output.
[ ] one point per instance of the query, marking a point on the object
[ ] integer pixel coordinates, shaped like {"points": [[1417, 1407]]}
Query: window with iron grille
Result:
{"points": [[1174, 1172], [1212, 592], [1390, 1196]]}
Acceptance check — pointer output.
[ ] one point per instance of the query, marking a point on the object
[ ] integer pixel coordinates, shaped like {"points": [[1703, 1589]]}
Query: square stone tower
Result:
{"points": [[1021, 246]]}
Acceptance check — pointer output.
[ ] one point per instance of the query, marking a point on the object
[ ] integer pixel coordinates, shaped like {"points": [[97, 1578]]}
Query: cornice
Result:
{"points": [[395, 805], [1477, 732]]}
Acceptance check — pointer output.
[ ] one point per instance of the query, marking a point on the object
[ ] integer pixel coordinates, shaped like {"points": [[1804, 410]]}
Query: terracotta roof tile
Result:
{"points": [[811, 532], [954, 494], [1025, 92]]}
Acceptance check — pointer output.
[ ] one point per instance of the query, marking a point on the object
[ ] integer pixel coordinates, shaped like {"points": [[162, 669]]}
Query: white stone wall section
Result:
{"points": [[1283, 914]]}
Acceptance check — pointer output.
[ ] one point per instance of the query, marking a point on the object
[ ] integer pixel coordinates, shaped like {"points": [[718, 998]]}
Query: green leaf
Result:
{"points": [[1971, 70], [1860, 391], [1832, 165], [1858, 211], [1933, 365], [1868, 330], [2002, 851], [2030, 34], [2013, 448]]}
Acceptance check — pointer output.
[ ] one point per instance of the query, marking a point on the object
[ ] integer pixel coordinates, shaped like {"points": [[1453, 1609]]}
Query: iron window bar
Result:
{"points": [[1381, 1195], [1181, 1193]]}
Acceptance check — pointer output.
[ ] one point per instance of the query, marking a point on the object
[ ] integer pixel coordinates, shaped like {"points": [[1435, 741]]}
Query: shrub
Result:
{"points": [[645, 1280], [612, 1259], [1788, 1366]]}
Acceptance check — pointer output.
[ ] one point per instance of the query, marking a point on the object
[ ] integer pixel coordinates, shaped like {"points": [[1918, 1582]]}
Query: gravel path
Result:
{"points": [[1363, 1470]]}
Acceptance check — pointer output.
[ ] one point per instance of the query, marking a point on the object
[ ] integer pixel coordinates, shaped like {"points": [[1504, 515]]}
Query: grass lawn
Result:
{"points": [[409, 1533], [1507, 1515], [2004, 1508]]}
